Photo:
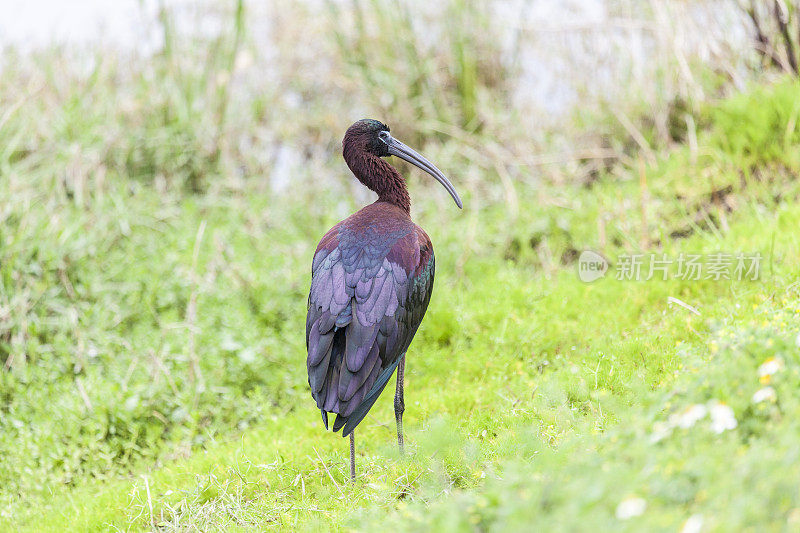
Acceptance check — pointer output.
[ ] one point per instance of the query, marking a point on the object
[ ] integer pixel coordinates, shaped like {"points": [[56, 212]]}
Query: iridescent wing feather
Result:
{"points": [[369, 293]]}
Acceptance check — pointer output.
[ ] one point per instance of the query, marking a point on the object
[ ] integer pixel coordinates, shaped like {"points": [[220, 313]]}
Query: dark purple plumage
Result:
{"points": [[372, 278], [363, 151]]}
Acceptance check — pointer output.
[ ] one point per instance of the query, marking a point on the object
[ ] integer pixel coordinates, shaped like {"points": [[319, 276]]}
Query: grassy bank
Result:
{"points": [[153, 348], [157, 222]]}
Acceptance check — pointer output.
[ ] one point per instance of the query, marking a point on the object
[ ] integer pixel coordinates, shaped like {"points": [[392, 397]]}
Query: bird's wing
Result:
{"points": [[368, 296]]}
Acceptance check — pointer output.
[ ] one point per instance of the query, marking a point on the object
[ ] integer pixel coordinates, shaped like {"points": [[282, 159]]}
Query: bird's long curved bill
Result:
{"points": [[407, 153]]}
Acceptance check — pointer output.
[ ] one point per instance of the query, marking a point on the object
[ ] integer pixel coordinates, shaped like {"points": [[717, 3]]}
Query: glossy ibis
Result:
{"points": [[372, 278]]}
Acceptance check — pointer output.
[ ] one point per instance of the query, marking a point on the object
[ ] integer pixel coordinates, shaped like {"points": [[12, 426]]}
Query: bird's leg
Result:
{"points": [[399, 406], [353, 456]]}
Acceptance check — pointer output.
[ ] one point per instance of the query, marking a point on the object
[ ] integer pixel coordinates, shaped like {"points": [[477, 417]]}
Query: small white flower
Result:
{"points": [[244, 60], [771, 366], [693, 524], [688, 417], [722, 417], [764, 395], [631, 507]]}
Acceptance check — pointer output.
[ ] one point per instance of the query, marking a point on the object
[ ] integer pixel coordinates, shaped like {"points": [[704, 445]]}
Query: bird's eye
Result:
{"points": [[384, 135]]}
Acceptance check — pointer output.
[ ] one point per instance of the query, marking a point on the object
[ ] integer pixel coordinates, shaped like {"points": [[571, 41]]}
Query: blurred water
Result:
{"points": [[32, 24], [566, 52], [569, 45]]}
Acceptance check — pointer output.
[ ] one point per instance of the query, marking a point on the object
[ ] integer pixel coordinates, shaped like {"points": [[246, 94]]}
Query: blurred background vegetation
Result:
{"points": [[160, 208]]}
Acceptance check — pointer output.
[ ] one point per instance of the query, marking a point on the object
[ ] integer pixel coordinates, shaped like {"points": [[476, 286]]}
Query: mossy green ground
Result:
{"points": [[155, 374]]}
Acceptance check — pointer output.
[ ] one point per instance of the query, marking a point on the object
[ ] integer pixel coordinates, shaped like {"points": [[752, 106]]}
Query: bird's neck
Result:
{"points": [[381, 177]]}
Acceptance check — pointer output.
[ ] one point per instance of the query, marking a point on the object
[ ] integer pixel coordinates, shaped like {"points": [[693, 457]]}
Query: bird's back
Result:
{"points": [[372, 279]]}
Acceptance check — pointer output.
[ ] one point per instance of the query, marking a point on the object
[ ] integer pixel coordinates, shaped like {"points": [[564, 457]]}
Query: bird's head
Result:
{"points": [[372, 137]]}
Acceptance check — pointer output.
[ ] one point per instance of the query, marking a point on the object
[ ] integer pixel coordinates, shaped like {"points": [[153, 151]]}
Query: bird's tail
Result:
{"points": [[350, 422]]}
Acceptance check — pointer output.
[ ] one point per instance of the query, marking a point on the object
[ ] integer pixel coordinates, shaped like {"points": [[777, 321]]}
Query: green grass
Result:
{"points": [[152, 305], [515, 384]]}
